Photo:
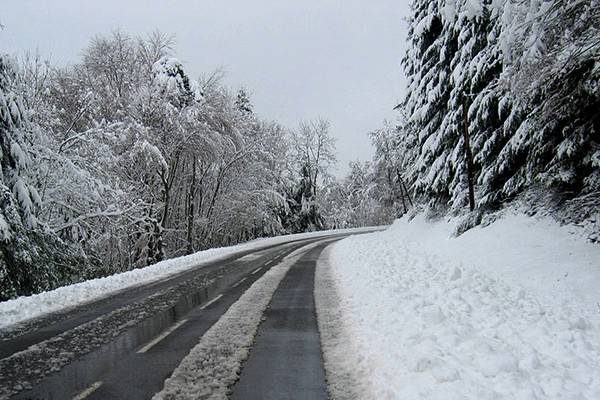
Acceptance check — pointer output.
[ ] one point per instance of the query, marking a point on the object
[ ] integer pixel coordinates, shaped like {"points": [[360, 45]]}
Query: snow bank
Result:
{"points": [[214, 364], [511, 310], [28, 307]]}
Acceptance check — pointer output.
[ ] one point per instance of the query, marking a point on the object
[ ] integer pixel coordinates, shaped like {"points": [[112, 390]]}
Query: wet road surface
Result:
{"points": [[286, 360], [137, 337]]}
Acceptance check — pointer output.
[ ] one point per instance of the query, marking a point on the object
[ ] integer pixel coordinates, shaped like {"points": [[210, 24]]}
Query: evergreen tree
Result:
{"points": [[242, 102], [453, 62], [427, 67], [522, 78], [304, 207], [551, 56]]}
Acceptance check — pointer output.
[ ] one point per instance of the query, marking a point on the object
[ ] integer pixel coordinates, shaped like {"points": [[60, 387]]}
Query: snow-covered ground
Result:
{"points": [[510, 311], [27, 307]]}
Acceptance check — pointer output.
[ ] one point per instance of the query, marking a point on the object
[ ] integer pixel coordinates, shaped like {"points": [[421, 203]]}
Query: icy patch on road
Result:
{"points": [[64, 298], [506, 311], [214, 364]]}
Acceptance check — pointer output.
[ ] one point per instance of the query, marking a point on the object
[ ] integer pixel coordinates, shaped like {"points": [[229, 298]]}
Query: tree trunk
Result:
{"points": [[190, 209], [468, 153], [168, 177], [403, 188]]}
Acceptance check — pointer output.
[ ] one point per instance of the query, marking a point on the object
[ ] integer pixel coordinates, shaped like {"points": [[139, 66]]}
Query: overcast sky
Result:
{"points": [[299, 60]]}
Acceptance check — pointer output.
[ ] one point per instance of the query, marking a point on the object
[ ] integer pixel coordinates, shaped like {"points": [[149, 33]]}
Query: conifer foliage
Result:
{"points": [[522, 77]]}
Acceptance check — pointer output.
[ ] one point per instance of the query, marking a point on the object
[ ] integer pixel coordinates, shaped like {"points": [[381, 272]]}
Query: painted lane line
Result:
{"points": [[88, 391], [210, 302], [256, 270], [240, 281], [160, 337]]}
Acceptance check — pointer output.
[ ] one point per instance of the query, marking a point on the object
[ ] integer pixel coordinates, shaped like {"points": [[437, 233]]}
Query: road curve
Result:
{"points": [[126, 345]]}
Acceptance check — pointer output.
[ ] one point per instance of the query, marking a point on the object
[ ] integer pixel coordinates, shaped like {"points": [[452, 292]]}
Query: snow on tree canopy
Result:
{"points": [[12, 156], [31, 258], [528, 73], [170, 77]]}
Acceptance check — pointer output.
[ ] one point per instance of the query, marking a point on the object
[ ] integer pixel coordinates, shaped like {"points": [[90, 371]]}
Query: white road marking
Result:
{"points": [[88, 391], [256, 270], [240, 281], [210, 302], [249, 257], [160, 337]]}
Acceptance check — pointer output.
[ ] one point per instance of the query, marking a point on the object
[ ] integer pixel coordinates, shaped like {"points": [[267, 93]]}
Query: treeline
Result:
{"points": [[502, 96], [121, 160]]}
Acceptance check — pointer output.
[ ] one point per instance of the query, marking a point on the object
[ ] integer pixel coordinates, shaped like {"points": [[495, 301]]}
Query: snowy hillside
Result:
{"points": [[511, 310]]}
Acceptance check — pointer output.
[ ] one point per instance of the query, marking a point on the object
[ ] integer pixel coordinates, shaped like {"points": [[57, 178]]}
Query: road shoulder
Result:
{"points": [[339, 349]]}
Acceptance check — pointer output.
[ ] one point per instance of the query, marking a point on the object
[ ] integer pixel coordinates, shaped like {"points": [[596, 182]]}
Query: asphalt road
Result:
{"points": [[125, 346], [286, 360]]}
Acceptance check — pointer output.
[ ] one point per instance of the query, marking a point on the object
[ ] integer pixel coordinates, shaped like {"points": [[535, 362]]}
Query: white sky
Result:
{"points": [[298, 59]]}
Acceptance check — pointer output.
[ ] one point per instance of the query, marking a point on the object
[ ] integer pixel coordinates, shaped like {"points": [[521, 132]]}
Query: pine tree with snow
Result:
{"points": [[452, 61], [242, 102], [528, 73], [552, 57]]}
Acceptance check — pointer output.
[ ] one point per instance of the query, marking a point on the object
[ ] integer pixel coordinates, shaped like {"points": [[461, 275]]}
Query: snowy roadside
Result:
{"points": [[340, 352], [213, 365], [28, 307], [505, 311]]}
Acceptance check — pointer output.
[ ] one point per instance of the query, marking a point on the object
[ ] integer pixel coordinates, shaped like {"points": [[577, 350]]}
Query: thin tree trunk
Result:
{"points": [[214, 195], [403, 188], [407, 193], [403, 201], [190, 209], [468, 153], [168, 177]]}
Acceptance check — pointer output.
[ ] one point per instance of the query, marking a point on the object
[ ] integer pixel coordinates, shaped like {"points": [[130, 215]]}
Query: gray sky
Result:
{"points": [[299, 60]]}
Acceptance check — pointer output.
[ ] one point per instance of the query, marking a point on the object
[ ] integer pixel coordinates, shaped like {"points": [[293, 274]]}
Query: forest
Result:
{"points": [[502, 107], [122, 159]]}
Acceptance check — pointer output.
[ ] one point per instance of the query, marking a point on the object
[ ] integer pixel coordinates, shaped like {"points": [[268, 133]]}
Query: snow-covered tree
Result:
{"points": [[394, 153], [551, 55], [242, 101], [521, 78], [31, 258], [355, 200], [453, 62], [313, 157]]}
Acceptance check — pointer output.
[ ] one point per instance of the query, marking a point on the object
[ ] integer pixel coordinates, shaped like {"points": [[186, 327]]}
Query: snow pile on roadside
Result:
{"points": [[28, 307], [506, 311], [213, 365]]}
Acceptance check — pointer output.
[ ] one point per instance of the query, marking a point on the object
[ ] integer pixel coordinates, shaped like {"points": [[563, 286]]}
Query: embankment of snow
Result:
{"points": [[28, 307], [511, 310]]}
